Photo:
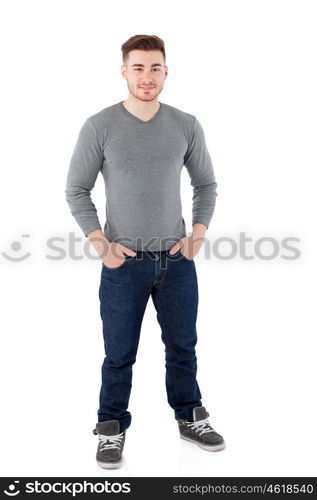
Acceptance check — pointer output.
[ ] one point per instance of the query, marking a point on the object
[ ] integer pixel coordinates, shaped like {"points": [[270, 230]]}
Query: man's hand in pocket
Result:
{"points": [[116, 255]]}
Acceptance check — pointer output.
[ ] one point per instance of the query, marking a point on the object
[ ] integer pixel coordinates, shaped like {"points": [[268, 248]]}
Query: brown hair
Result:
{"points": [[142, 42]]}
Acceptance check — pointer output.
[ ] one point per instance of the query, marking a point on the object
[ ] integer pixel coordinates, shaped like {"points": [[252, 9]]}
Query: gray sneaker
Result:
{"points": [[110, 446], [200, 431]]}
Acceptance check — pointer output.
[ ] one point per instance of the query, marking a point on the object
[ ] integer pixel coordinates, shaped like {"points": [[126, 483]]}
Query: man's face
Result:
{"points": [[145, 73]]}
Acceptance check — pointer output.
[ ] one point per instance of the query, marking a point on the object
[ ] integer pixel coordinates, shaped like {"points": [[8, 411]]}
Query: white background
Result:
{"points": [[247, 70]]}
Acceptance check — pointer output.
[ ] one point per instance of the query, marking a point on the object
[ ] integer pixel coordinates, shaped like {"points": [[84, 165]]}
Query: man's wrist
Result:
{"points": [[100, 242], [199, 230]]}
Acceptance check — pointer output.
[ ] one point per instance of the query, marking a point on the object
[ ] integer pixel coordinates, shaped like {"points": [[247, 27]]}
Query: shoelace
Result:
{"points": [[108, 442], [201, 426]]}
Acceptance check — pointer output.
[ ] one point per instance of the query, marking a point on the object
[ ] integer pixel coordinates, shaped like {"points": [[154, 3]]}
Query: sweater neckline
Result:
{"points": [[127, 113]]}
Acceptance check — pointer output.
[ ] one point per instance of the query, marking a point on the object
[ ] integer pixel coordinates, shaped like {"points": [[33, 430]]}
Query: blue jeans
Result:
{"points": [[171, 281]]}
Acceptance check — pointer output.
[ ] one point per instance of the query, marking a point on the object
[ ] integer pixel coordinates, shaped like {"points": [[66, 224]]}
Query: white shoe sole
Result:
{"points": [[216, 447], [105, 465]]}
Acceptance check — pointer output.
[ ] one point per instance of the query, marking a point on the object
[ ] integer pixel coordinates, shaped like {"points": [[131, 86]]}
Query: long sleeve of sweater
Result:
{"points": [[199, 165], [85, 164]]}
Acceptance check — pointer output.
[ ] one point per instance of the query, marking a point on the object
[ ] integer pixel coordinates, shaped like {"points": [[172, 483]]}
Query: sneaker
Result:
{"points": [[110, 446], [200, 431]]}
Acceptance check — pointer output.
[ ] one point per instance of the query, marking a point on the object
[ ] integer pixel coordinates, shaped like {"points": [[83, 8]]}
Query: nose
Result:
{"points": [[147, 77]]}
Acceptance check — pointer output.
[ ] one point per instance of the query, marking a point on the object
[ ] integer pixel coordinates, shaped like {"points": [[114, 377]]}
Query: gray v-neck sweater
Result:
{"points": [[141, 163]]}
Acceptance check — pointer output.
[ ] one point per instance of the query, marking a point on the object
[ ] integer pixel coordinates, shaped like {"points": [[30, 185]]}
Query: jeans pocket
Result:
{"points": [[127, 258], [185, 258], [175, 256]]}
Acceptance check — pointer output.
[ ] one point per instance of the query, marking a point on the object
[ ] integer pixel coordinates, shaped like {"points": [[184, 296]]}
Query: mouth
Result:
{"points": [[147, 88]]}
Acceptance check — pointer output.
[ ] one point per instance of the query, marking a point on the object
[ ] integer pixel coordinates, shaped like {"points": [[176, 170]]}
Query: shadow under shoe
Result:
{"points": [[200, 431], [110, 446]]}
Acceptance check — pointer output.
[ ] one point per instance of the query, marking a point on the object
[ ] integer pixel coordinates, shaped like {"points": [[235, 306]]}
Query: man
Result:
{"points": [[140, 146]]}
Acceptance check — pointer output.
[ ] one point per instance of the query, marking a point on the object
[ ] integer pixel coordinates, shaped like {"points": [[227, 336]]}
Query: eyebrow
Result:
{"points": [[142, 65]]}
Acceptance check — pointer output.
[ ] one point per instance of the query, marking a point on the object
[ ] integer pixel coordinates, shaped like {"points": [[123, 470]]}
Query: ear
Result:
{"points": [[123, 71]]}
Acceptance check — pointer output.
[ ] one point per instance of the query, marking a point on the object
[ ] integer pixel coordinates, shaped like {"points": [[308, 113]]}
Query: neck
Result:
{"points": [[143, 108]]}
